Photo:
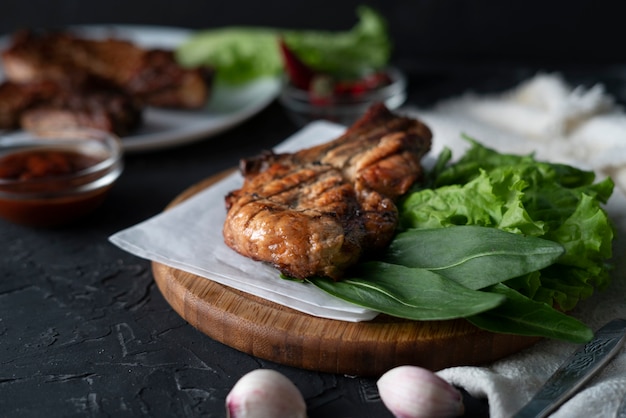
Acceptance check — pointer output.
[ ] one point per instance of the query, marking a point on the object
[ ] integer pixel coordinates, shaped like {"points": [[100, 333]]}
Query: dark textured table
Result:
{"points": [[84, 330]]}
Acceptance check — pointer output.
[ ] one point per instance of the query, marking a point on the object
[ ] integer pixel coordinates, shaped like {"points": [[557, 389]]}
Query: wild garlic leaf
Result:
{"points": [[409, 293], [473, 256], [523, 316]]}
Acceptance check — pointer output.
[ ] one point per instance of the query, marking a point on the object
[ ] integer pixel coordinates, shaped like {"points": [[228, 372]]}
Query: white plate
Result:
{"points": [[163, 128]]}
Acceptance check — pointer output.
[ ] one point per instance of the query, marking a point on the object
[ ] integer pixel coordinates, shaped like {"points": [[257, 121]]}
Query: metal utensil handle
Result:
{"points": [[577, 370]]}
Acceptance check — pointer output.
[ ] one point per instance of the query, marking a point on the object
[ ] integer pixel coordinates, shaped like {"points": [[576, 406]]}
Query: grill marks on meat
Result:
{"points": [[316, 212], [101, 84]]}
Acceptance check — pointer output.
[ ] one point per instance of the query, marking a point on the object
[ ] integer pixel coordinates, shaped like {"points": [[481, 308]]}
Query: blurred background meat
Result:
{"points": [[78, 101], [85, 102], [151, 76], [59, 80]]}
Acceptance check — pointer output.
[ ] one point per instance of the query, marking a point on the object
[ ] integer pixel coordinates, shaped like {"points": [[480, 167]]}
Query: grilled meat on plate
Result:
{"points": [[316, 212], [150, 75], [87, 102], [15, 98], [106, 110]]}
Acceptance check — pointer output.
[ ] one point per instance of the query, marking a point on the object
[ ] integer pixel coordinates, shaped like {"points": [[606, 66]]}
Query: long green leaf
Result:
{"points": [[473, 256], [523, 316], [410, 293]]}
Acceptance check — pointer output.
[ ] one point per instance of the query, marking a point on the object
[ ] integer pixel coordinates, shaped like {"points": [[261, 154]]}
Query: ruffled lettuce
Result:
{"points": [[522, 195]]}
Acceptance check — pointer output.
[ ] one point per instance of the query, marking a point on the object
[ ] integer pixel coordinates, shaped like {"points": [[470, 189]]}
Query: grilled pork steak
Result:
{"points": [[316, 212], [15, 98], [150, 75], [86, 102]]}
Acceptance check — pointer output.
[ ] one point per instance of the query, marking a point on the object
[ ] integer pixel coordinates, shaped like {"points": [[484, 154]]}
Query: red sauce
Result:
{"points": [[28, 165], [42, 187]]}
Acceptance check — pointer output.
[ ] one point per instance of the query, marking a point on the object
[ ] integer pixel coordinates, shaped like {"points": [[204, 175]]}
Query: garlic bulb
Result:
{"points": [[414, 392], [265, 393]]}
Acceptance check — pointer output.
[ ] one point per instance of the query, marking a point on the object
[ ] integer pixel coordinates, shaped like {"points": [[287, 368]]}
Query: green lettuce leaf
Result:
{"points": [[241, 54], [350, 53], [522, 195], [238, 54]]}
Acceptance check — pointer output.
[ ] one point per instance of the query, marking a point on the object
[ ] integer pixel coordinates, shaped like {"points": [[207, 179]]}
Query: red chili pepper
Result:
{"points": [[299, 73], [363, 85], [322, 88]]}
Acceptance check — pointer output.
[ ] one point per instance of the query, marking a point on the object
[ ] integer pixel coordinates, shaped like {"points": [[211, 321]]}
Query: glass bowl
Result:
{"points": [[56, 177], [303, 108]]}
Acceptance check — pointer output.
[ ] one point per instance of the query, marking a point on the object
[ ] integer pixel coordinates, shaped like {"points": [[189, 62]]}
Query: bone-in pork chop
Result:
{"points": [[316, 212]]}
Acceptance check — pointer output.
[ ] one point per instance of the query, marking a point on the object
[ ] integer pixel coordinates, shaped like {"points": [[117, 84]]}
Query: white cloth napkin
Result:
{"points": [[543, 115], [559, 123]]}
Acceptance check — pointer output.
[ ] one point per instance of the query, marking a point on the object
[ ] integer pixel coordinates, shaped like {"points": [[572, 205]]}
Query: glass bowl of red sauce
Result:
{"points": [[343, 101], [56, 177]]}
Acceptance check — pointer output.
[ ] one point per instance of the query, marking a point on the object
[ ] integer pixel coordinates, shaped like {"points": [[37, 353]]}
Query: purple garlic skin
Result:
{"points": [[415, 392], [265, 393]]}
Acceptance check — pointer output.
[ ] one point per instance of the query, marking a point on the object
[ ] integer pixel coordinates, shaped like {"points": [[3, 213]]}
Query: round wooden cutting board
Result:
{"points": [[274, 332]]}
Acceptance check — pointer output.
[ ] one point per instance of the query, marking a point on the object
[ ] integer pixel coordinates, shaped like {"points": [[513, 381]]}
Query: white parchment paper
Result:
{"points": [[189, 237]]}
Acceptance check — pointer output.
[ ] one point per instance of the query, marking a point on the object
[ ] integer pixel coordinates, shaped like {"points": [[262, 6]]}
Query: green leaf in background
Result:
{"points": [[241, 54], [410, 293], [523, 316], [473, 256], [238, 54], [349, 53]]}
